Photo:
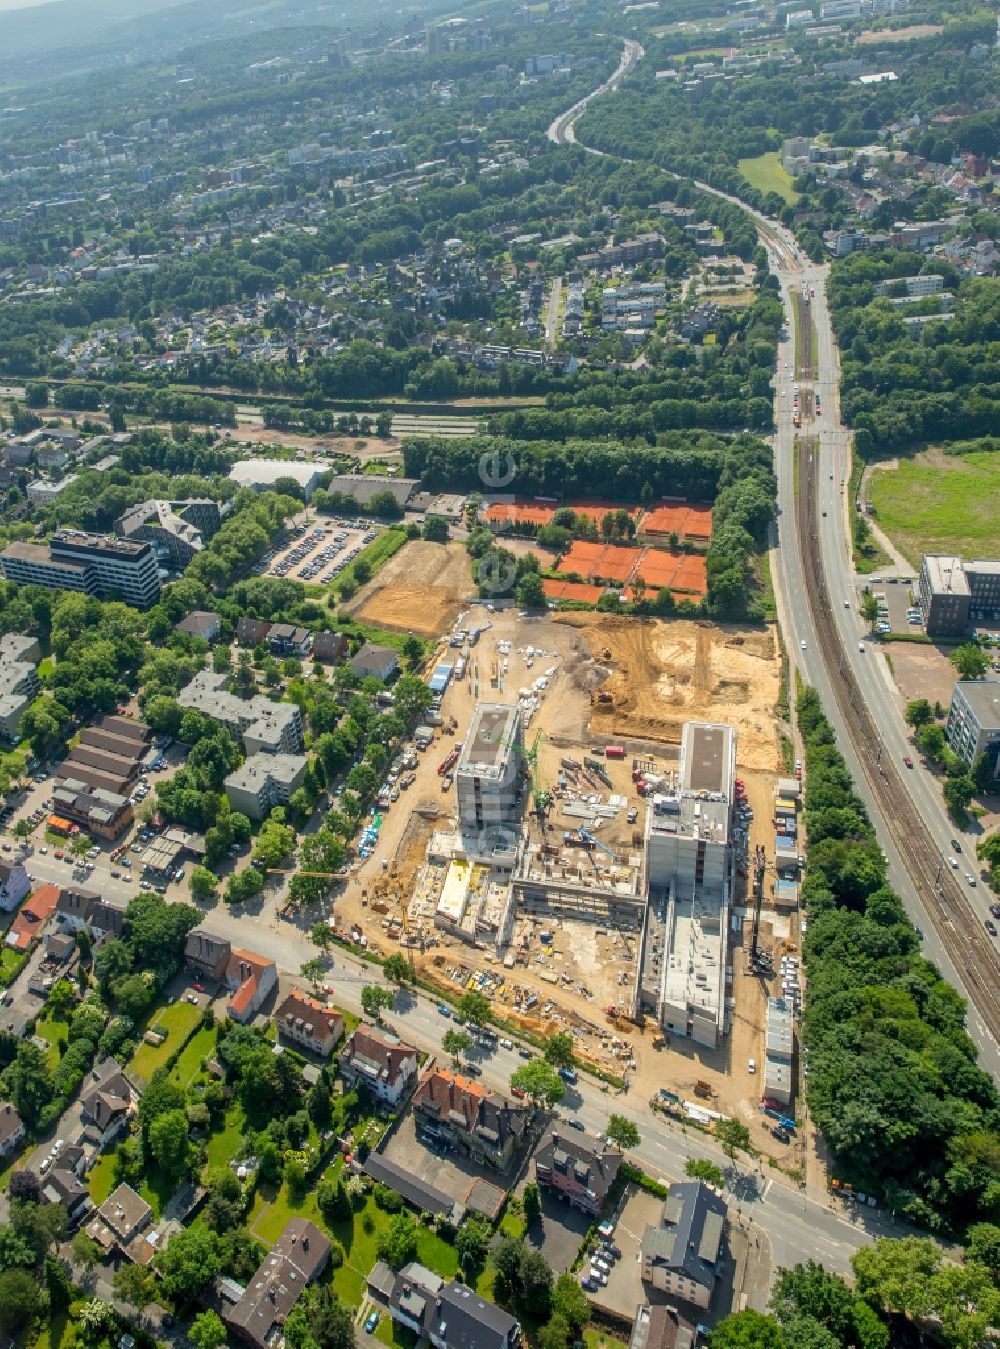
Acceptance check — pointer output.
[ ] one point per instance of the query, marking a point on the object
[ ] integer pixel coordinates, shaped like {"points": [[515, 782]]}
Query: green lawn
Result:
{"points": [[377, 554], [272, 1210], [594, 1338], [200, 1046], [101, 1180], [11, 964], [53, 1332], [223, 1145], [52, 1031], [948, 505], [176, 1021], [767, 174], [278, 1208]]}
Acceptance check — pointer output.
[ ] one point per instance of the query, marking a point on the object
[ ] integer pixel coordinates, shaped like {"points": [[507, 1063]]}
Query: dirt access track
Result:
{"points": [[419, 590], [664, 673]]}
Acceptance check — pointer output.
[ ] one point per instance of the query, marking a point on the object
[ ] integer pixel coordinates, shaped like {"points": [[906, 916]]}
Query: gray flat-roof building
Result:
{"points": [[263, 782], [682, 964], [955, 594], [262, 474], [974, 721], [94, 564], [488, 773], [271, 728], [779, 1047]]}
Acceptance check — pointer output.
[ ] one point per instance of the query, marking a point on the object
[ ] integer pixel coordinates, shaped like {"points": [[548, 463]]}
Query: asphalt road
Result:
{"points": [[869, 666], [792, 1223], [794, 269]]}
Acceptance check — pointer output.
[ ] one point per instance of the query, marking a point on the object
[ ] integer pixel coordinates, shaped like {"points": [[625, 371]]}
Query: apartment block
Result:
{"points": [[681, 1255], [264, 781], [19, 682], [271, 728], [178, 530], [94, 564], [579, 1170], [973, 727], [309, 1024], [386, 1066]]}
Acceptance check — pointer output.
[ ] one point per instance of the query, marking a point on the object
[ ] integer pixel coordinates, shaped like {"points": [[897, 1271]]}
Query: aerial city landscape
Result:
{"points": [[500, 674]]}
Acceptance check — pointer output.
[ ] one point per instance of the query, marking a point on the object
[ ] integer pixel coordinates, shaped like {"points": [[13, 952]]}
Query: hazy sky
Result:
{"points": [[20, 4]]}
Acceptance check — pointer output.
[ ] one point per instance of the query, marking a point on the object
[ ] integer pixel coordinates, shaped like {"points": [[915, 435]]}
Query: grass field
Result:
{"points": [[937, 503], [376, 555], [52, 1032], [11, 964], [199, 1047], [175, 1021], [767, 174], [101, 1180]]}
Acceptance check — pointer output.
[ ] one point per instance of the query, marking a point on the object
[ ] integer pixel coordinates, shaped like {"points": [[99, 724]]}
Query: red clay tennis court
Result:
{"points": [[686, 519], [597, 510], [692, 577], [518, 513], [572, 590], [601, 561], [684, 573]]}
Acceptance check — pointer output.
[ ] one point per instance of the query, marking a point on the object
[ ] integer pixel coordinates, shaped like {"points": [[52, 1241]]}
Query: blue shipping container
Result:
{"points": [[439, 680]]}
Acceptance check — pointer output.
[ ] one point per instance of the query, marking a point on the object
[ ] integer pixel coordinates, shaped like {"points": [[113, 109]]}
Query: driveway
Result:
{"points": [[452, 1172], [625, 1289], [559, 1232]]}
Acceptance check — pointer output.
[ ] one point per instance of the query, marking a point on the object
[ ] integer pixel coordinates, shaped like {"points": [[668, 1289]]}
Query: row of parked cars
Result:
{"points": [[603, 1257]]}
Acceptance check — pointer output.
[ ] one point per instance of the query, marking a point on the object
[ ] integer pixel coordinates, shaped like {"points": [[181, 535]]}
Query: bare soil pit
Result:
{"points": [[663, 674], [921, 672], [420, 590]]}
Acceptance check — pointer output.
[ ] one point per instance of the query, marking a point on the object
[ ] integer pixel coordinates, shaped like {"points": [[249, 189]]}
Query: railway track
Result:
{"points": [[968, 947]]}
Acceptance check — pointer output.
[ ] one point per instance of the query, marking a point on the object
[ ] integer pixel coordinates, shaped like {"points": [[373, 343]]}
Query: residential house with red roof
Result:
{"points": [[249, 978], [463, 1113]]}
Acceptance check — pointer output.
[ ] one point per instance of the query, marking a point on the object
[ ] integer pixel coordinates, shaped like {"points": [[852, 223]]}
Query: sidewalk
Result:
{"points": [[900, 566]]}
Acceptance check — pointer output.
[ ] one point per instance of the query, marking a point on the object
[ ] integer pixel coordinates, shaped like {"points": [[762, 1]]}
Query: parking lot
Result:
{"points": [[451, 1172], [560, 1230], [896, 601], [319, 553], [625, 1291], [34, 804]]}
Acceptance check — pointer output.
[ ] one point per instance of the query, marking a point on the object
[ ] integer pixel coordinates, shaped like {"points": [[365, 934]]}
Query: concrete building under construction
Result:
{"points": [[489, 774], [681, 976]]}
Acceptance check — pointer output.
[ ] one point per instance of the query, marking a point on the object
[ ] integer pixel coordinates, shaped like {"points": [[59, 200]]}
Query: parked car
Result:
{"points": [[444, 1010], [371, 1322], [782, 1135], [576, 1123]]}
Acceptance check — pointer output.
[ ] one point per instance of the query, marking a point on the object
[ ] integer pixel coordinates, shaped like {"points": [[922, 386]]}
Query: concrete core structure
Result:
{"points": [[488, 774], [682, 964]]}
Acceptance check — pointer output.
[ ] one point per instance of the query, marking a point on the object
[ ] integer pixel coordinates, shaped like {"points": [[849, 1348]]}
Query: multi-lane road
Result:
{"points": [[562, 129], [818, 598], [790, 1221]]}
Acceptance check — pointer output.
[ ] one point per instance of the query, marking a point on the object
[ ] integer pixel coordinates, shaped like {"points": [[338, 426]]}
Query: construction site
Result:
{"points": [[579, 843]]}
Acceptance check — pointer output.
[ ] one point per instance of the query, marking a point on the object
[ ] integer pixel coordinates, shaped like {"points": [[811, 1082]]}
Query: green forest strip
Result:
{"points": [[893, 1085]]}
